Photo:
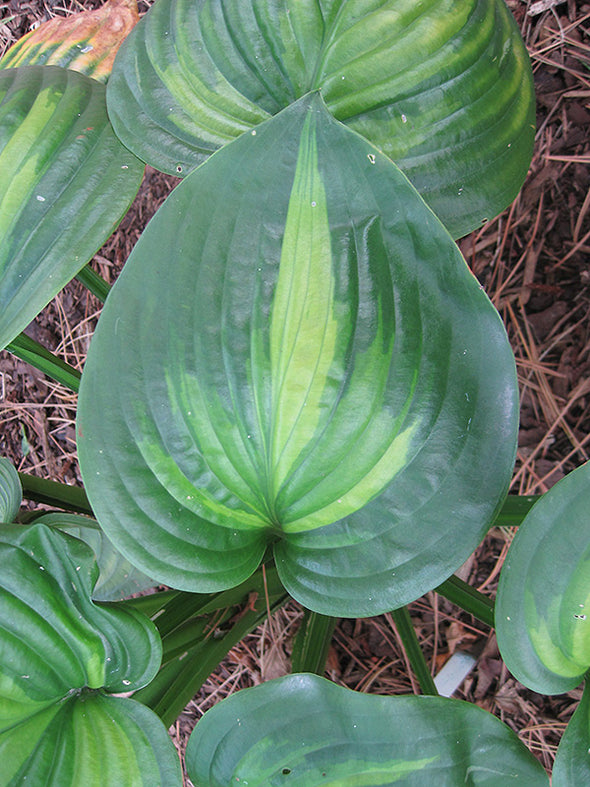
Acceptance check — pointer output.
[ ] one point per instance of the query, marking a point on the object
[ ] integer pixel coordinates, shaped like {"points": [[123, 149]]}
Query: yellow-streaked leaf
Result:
{"points": [[305, 731], [61, 657], [543, 604], [304, 327], [66, 183], [314, 368], [443, 88]]}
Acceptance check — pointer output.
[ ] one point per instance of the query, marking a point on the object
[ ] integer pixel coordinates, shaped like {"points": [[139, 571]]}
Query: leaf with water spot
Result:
{"points": [[543, 604], [444, 89], [304, 731], [57, 152], [118, 578], [315, 369]]}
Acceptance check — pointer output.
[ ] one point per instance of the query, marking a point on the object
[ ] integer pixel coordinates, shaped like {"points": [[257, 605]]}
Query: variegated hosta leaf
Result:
{"points": [[11, 493], [54, 638], [118, 578], [572, 761], [59, 655], [85, 42], [443, 88], [90, 739], [543, 604], [66, 182], [303, 731], [297, 353]]}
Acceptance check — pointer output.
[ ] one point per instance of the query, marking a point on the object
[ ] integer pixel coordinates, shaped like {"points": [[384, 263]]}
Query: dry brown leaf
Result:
{"points": [[85, 42]]}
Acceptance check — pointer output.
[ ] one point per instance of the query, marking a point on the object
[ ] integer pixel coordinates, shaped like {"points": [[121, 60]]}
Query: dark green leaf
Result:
{"points": [[57, 153], [444, 89], [572, 761], [303, 731], [320, 368], [543, 602], [10, 491], [118, 578]]}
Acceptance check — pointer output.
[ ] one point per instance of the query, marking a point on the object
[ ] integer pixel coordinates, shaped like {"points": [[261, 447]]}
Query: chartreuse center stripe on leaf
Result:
{"points": [[559, 632], [306, 355], [295, 339], [304, 731], [304, 327], [542, 619]]}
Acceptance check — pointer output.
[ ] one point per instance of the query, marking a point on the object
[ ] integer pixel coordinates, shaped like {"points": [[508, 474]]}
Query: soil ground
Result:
{"points": [[534, 262]]}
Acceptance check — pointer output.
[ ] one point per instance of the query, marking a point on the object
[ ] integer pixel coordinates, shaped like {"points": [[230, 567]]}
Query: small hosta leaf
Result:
{"points": [[51, 629], [304, 731], [320, 371], [543, 604], [57, 152], [118, 578], [572, 761], [444, 89], [10, 491], [86, 42], [60, 654]]}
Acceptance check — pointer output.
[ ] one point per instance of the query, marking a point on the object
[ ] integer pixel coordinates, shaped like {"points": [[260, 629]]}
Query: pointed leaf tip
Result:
{"points": [[321, 372]]}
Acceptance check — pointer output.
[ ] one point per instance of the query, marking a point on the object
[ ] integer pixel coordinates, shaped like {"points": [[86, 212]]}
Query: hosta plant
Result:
{"points": [[296, 389]]}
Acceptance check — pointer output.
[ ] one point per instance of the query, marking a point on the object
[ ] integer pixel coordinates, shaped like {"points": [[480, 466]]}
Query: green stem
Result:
{"points": [[70, 498], [179, 680], [469, 599], [154, 605], [312, 643], [407, 633], [514, 510], [178, 609], [32, 352], [94, 282], [186, 637]]}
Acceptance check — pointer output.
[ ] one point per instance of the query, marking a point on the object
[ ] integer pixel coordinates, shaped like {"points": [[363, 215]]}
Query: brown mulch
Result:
{"points": [[534, 262]]}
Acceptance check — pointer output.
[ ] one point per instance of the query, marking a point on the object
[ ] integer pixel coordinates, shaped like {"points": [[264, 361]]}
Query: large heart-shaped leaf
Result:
{"points": [[57, 153], [443, 88], [59, 655], [543, 604], [320, 370], [303, 731]]}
